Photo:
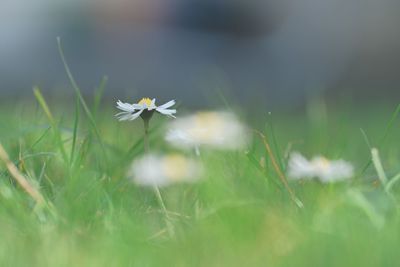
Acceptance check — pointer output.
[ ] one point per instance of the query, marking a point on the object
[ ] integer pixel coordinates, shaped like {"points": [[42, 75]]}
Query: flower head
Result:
{"points": [[158, 170], [144, 108], [214, 129], [319, 167]]}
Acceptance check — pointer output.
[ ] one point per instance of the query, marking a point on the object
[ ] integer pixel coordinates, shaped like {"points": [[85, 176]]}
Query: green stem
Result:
{"points": [[157, 192], [146, 136]]}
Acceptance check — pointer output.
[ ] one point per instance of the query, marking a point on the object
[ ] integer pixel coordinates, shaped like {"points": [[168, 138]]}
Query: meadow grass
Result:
{"points": [[76, 155], [239, 214]]}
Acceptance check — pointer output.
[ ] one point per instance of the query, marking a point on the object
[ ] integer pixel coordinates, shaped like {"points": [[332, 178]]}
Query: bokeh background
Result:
{"points": [[257, 52]]}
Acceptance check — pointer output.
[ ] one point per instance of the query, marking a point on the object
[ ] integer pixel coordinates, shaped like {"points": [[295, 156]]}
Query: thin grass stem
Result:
{"points": [[281, 176], [157, 192], [21, 180]]}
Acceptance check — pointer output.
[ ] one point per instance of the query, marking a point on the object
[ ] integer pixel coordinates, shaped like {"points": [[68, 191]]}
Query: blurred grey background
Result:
{"points": [[271, 51]]}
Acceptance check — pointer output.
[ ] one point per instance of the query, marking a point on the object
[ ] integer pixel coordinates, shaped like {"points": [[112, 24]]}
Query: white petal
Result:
{"points": [[124, 116], [135, 115], [125, 106], [167, 105], [152, 105], [137, 106], [338, 171], [180, 139], [167, 112], [299, 167], [122, 113], [147, 171]]}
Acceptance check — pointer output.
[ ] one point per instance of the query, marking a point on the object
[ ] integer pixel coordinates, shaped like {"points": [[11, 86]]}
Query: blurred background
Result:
{"points": [[258, 52]]}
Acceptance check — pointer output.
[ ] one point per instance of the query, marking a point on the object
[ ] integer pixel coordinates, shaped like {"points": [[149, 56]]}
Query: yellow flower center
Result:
{"points": [[324, 163], [145, 100], [175, 167], [207, 125]]}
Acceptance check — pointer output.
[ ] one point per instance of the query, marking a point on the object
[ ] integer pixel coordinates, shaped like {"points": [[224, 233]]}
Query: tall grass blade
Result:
{"points": [[81, 99], [279, 172], [276, 148], [366, 139], [75, 132], [389, 126], [378, 166], [40, 138], [33, 192], [98, 94], [54, 125], [391, 182]]}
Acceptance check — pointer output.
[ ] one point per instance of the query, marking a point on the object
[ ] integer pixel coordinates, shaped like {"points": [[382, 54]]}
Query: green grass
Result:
{"points": [[239, 215]]}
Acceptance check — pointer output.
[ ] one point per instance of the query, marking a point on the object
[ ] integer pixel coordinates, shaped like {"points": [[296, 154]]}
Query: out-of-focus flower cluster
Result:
{"points": [[163, 170], [218, 130], [202, 130], [327, 171]]}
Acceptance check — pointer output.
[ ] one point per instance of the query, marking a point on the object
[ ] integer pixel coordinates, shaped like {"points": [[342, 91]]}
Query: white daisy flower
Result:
{"points": [[213, 129], [319, 167], [144, 108], [158, 170]]}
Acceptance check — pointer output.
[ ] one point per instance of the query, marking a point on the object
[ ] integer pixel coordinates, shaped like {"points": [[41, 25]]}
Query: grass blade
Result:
{"points": [[391, 183], [389, 126], [21, 180], [366, 139], [98, 94], [75, 132], [40, 138], [54, 125], [359, 200], [281, 176], [80, 97], [275, 143], [378, 166]]}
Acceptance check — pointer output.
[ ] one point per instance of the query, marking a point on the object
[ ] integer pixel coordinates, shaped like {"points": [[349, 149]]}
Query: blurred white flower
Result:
{"points": [[214, 129], [157, 170], [145, 108], [319, 167]]}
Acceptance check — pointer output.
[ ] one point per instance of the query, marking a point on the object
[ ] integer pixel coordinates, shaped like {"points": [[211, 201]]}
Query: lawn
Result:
{"points": [[238, 214], [66, 198]]}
